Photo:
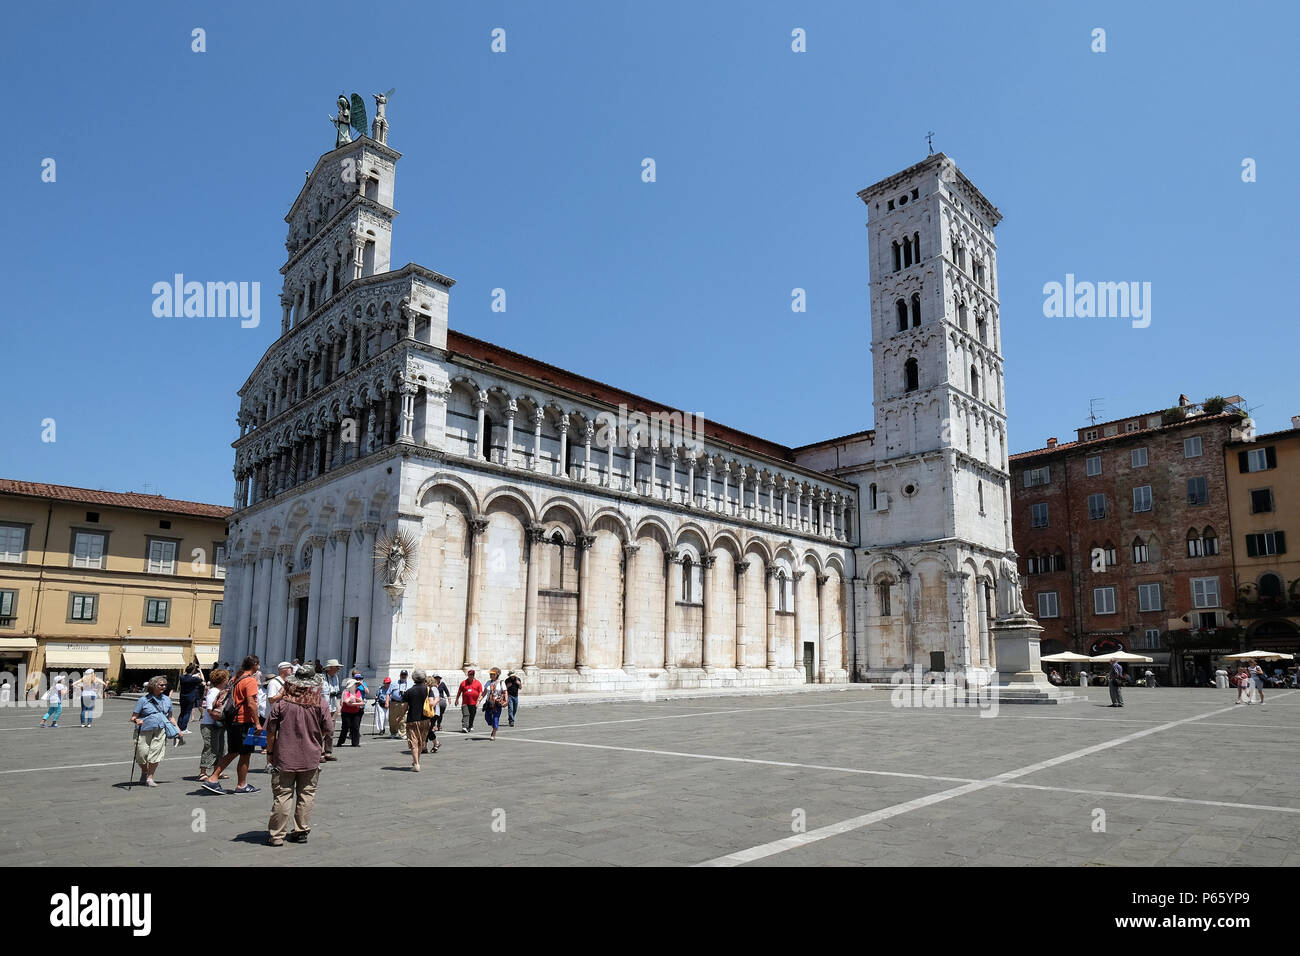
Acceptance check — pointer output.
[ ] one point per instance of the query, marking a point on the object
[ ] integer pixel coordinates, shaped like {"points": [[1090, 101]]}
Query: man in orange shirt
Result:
{"points": [[469, 689], [244, 696]]}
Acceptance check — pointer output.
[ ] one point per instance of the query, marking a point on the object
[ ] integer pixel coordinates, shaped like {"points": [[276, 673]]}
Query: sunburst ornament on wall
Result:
{"points": [[395, 553]]}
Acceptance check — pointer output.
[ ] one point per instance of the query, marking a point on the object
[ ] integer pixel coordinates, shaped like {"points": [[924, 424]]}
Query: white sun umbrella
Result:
{"points": [[1260, 655], [1124, 657], [1065, 657]]}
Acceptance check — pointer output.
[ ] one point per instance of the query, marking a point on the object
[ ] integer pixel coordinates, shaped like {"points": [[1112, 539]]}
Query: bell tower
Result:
{"points": [[936, 354]]}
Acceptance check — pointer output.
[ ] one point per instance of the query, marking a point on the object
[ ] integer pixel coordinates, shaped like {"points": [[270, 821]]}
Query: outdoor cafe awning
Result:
{"points": [[154, 658], [77, 655], [17, 643]]}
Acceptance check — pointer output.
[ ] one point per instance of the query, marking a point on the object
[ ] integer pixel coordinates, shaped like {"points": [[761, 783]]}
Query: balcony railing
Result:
{"points": [[1268, 607]]}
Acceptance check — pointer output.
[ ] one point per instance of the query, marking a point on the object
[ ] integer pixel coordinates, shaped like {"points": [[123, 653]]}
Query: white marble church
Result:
{"points": [[409, 496]]}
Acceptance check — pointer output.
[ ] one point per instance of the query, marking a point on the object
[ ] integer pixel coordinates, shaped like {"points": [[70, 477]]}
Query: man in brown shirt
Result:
{"points": [[296, 731]]}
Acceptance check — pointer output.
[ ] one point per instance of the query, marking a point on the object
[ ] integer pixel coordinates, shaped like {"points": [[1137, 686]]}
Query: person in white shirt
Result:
{"points": [[214, 734], [90, 687]]}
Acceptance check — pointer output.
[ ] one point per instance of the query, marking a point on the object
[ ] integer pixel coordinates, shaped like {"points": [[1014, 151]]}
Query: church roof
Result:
{"points": [[486, 352]]}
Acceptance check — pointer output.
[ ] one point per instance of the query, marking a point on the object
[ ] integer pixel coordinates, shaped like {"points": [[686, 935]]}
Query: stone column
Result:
{"points": [[771, 497], [629, 602], [587, 433], [743, 480], [726, 491], [585, 541], [982, 602], [477, 526], [690, 481], [408, 411], [564, 447], [741, 567], [796, 576], [709, 469], [534, 535], [821, 512], [369, 531], [538, 416], [370, 430], [773, 582], [707, 561], [785, 502], [508, 456], [358, 255], [329, 448], [822, 641], [338, 592], [670, 493], [672, 587], [631, 467], [315, 595], [262, 613], [286, 304], [275, 642], [480, 448], [243, 643]]}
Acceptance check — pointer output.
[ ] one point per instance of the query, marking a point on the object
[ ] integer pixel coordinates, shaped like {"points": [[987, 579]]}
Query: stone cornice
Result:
{"points": [[385, 214]]}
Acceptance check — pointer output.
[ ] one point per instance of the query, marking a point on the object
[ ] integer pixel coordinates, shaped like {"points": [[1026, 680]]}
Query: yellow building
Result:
{"points": [[128, 584], [1264, 507]]}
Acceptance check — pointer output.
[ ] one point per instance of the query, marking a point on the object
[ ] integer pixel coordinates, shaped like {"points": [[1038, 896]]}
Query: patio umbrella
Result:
{"points": [[1065, 657], [1260, 655], [1124, 657]]}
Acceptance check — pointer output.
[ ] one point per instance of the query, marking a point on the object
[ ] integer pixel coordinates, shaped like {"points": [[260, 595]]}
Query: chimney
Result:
{"points": [[1295, 421], [1183, 400], [1051, 442]]}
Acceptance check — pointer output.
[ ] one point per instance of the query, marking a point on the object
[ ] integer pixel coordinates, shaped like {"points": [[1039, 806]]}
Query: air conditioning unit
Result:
{"points": [[882, 501]]}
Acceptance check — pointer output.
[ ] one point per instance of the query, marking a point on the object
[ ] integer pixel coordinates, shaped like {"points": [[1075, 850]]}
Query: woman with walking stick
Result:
{"points": [[152, 716]]}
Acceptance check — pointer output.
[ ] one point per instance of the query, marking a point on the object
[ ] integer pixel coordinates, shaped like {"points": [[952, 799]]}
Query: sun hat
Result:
{"points": [[304, 676], [281, 666], [332, 663]]}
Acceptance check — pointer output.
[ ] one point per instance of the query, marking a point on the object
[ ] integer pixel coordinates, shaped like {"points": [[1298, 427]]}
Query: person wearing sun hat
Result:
{"points": [[297, 727], [381, 705], [333, 690]]}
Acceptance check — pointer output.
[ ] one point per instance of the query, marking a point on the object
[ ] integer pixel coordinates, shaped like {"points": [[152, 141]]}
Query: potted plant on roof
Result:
{"points": [[1214, 404]]}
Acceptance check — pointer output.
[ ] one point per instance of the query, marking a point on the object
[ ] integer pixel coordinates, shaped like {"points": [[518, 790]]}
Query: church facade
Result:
{"points": [[410, 496]]}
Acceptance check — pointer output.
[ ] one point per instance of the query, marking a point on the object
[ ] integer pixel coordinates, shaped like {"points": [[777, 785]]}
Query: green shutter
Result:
{"points": [[1242, 464]]}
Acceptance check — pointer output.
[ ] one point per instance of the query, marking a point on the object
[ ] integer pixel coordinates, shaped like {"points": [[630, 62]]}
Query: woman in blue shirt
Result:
{"points": [[152, 714]]}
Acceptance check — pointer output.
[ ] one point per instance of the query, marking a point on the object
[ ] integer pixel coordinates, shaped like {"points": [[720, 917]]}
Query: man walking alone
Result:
{"points": [[470, 689], [397, 707], [1116, 678], [296, 730]]}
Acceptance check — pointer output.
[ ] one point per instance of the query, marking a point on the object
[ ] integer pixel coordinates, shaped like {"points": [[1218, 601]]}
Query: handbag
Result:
{"points": [[431, 706], [170, 729], [255, 738]]}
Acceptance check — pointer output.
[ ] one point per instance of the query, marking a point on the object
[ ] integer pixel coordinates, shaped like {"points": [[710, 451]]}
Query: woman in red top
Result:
{"points": [[352, 705]]}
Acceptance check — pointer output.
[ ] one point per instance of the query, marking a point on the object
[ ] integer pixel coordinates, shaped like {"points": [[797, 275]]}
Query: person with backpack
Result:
{"points": [[333, 689], [494, 700], [153, 715], [444, 698], [55, 700], [239, 714], [191, 690], [397, 707], [381, 706], [210, 726]]}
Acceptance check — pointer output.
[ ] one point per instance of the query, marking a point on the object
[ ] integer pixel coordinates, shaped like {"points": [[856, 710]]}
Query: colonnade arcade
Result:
{"points": [[504, 582]]}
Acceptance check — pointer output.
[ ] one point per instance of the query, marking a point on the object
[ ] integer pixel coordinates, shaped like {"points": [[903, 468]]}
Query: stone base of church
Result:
{"points": [[647, 681]]}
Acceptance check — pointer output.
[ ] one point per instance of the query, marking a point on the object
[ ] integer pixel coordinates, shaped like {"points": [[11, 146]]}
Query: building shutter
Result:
{"points": [[1242, 464], [1280, 538], [1252, 546], [1271, 454]]}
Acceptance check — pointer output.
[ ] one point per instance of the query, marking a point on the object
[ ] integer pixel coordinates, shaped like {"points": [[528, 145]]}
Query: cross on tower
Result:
{"points": [[929, 141]]}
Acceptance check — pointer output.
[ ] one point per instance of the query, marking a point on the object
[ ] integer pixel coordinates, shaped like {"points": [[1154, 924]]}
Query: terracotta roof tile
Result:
{"points": [[112, 499], [1067, 445]]}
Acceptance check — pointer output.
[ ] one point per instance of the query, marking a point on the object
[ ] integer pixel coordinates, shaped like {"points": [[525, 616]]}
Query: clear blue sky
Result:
{"points": [[522, 171]]}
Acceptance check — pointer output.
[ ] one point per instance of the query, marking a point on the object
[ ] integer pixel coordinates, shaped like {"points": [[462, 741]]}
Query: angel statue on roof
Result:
{"points": [[342, 123]]}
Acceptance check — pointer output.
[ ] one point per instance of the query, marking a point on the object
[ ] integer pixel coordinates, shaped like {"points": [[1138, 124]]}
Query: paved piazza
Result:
{"points": [[1184, 777]]}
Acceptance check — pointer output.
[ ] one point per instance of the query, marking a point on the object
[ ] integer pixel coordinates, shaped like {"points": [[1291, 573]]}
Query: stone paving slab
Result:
{"points": [[685, 780]]}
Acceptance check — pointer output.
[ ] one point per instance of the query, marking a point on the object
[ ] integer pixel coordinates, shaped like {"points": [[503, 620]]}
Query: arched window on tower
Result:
{"points": [[898, 257], [1058, 560], [912, 376], [981, 329], [782, 591], [916, 310], [871, 496], [1141, 555], [1031, 563], [907, 252], [981, 492], [688, 580], [916, 247], [900, 307], [882, 596], [974, 381], [485, 442], [1195, 547], [1210, 540]]}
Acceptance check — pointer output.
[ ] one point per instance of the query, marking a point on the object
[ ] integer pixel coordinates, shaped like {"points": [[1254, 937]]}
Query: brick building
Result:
{"points": [[1124, 537]]}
